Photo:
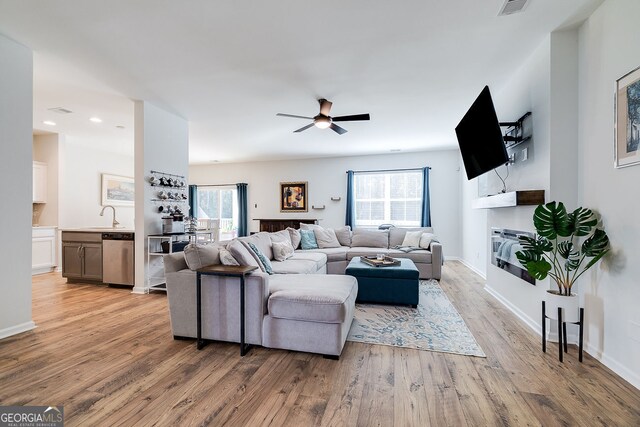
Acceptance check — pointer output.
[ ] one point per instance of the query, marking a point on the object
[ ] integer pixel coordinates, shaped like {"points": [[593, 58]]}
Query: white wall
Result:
{"points": [[45, 149], [16, 110], [80, 184], [327, 178], [161, 144], [610, 48]]}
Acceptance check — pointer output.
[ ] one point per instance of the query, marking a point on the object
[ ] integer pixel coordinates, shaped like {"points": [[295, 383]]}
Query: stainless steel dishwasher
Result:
{"points": [[118, 258]]}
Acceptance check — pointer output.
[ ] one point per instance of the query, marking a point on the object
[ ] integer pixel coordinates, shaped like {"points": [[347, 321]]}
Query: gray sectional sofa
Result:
{"points": [[306, 304]]}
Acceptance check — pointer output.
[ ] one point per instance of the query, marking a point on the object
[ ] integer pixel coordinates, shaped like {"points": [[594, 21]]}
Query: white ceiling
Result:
{"points": [[229, 67]]}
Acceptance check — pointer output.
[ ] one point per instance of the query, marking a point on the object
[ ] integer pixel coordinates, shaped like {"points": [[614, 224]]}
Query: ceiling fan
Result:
{"points": [[324, 120]]}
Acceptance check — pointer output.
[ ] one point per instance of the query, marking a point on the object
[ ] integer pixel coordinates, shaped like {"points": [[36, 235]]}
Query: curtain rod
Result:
{"points": [[391, 170], [217, 185]]}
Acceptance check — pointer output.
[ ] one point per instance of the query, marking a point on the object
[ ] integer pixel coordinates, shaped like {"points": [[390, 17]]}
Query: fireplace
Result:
{"points": [[504, 245]]}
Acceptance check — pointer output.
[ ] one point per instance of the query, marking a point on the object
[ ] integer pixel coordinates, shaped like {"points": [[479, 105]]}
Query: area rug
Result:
{"points": [[434, 326]]}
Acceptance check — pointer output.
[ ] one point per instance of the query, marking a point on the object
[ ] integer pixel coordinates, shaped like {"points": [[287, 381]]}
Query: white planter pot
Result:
{"points": [[569, 304]]}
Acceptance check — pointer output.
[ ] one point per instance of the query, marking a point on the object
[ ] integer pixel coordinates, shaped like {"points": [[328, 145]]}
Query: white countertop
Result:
{"points": [[44, 226], [100, 230]]}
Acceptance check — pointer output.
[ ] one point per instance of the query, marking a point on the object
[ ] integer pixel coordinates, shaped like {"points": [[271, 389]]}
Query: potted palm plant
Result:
{"points": [[567, 244]]}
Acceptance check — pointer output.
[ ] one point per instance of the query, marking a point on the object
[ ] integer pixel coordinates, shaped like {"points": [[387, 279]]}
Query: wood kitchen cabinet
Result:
{"points": [[82, 256]]}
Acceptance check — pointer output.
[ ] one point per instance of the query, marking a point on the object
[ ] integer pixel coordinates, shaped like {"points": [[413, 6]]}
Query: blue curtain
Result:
{"points": [[350, 219], [243, 223], [193, 201], [426, 204]]}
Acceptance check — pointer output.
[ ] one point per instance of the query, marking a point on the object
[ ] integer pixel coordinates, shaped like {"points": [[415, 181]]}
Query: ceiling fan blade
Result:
{"points": [[337, 129], [294, 116], [303, 128], [325, 106], [351, 118]]}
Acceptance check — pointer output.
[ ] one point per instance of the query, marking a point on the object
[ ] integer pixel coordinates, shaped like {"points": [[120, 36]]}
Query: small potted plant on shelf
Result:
{"points": [[567, 244]]}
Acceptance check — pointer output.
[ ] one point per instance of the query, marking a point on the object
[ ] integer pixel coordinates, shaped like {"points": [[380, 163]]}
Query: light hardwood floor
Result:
{"points": [[108, 356]]}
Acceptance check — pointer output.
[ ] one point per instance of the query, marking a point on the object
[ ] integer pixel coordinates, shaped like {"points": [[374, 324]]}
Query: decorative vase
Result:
{"points": [[570, 305]]}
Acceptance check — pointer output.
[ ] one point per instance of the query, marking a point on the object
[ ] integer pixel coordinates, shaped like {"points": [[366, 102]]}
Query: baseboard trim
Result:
{"points": [[140, 290], [617, 367], [535, 326], [17, 329], [472, 268]]}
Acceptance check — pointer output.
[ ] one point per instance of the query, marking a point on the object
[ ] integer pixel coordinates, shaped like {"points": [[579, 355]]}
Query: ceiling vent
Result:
{"points": [[512, 6], [60, 110]]}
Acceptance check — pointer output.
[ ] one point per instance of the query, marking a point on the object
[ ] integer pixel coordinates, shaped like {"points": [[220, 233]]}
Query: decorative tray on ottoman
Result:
{"points": [[387, 261]]}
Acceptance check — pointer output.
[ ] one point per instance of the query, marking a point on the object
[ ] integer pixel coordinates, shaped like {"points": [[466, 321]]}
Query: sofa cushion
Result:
{"points": [[264, 261], [323, 298], [262, 241], [308, 239], [396, 234], [419, 256], [344, 235], [315, 256], [333, 254], [242, 254], [412, 239], [198, 255], [294, 266], [362, 251], [370, 238], [295, 237], [282, 250], [326, 238]]}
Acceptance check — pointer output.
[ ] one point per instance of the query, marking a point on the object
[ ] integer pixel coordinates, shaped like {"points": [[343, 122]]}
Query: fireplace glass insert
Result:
{"points": [[504, 245]]}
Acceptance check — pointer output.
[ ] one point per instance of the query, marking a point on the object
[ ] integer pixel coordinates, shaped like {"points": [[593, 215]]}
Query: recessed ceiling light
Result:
{"points": [[49, 123], [96, 119]]}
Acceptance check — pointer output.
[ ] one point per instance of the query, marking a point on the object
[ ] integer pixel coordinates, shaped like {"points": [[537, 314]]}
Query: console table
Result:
{"points": [[277, 224]]}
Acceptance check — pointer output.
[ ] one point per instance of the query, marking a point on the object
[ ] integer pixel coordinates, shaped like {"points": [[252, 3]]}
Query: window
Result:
{"points": [[388, 198], [219, 203]]}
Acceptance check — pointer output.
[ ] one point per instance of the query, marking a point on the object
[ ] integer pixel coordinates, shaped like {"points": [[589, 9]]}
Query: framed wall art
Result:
{"points": [[293, 197], [627, 120], [117, 190]]}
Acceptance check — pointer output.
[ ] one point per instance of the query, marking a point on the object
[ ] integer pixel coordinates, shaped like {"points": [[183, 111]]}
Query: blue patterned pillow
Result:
{"points": [[268, 268], [308, 239]]}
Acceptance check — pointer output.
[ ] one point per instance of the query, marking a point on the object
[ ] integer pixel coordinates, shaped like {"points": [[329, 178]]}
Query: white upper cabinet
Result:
{"points": [[39, 182]]}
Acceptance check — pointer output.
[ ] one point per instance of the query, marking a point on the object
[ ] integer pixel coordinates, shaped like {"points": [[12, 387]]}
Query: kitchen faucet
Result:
{"points": [[115, 223]]}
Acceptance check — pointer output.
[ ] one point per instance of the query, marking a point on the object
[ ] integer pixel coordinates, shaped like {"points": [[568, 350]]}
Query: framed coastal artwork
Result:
{"points": [[627, 120], [293, 197], [117, 190]]}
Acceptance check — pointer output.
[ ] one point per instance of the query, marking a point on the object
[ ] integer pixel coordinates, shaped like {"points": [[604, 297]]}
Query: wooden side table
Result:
{"points": [[239, 271]]}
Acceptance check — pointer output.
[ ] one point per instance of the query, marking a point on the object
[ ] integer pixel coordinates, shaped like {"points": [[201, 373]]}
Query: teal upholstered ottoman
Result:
{"points": [[397, 284]]}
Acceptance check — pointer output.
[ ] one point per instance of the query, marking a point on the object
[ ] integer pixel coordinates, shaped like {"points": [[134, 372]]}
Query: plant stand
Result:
{"points": [[562, 335]]}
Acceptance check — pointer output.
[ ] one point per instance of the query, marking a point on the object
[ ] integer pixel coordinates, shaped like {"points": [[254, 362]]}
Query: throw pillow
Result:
{"points": [[308, 239], [282, 250], [427, 239], [412, 239], [326, 238], [226, 258], [197, 255], [295, 237], [280, 236], [344, 235], [242, 254], [304, 226], [263, 259]]}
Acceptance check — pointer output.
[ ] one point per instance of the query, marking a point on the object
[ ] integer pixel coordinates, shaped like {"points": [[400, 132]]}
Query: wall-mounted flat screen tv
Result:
{"points": [[480, 137]]}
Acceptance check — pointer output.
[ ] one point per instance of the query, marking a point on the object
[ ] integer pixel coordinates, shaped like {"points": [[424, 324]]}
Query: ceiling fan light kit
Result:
{"points": [[324, 120]]}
